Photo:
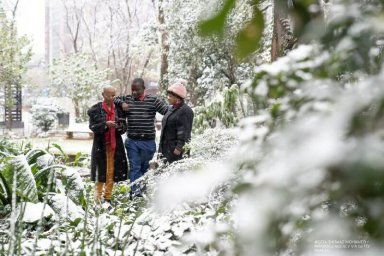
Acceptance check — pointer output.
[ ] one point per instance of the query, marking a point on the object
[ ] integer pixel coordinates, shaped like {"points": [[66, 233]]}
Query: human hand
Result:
{"points": [[177, 151], [111, 124], [120, 122], [125, 106]]}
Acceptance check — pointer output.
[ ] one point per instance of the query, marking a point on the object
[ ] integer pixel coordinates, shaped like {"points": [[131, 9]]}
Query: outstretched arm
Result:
{"points": [[122, 102], [161, 106]]}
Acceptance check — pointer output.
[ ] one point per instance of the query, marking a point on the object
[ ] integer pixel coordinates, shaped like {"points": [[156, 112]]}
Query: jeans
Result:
{"points": [[139, 153]]}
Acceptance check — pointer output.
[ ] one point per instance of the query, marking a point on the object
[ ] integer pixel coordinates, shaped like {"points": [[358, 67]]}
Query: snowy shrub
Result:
{"points": [[308, 164], [306, 169], [77, 77], [19, 179], [223, 110], [66, 208], [208, 64], [73, 185], [44, 116]]}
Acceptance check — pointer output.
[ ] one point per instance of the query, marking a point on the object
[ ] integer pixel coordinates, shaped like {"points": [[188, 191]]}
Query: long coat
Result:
{"points": [[97, 123], [176, 131]]}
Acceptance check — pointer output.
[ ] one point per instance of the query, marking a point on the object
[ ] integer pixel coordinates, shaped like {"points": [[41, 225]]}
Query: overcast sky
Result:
{"points": [[30, 21]]}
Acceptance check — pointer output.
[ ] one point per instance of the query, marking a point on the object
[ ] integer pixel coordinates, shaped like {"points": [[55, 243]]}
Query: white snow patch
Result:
{"points": [[66, 208], [33, 212], [190, 187]]}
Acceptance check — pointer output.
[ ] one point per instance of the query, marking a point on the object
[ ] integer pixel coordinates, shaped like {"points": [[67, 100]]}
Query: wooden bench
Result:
{"points": [[70, 133], [78, 129]]}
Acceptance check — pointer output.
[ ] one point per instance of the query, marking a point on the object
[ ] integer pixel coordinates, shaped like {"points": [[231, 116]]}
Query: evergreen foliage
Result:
{"points": [[77, 77]]}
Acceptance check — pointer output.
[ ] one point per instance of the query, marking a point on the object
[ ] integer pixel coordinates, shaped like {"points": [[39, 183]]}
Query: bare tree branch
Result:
{"points": [[91, 34], [146, 62], [15, 9]]}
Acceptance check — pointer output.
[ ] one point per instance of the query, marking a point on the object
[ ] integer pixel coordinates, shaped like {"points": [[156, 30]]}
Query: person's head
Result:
{"points": [[138, 87], [109, 94], [177, 92]]}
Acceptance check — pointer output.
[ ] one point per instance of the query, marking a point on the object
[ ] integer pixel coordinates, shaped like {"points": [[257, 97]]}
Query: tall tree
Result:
{"points": [[289, 24], [14, 55], [209, 64], [164, 44], [77, 77], [116, 33], [282, 38], [74, 11]]}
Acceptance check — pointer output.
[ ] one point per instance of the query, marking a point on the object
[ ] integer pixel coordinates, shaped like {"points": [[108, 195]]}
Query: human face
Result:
{"points": [[172, 99], [108, 95], [137, 90]]}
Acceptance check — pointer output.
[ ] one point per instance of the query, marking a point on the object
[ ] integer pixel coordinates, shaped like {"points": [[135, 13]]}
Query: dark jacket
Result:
{"points": [[97, 120], [176, 131]]}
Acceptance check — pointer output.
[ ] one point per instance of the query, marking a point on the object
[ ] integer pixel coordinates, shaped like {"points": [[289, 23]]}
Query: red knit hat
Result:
{"points": [[178, 89]]}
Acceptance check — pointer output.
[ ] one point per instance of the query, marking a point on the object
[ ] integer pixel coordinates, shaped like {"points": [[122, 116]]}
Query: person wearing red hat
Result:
{"points": [[176, 124]]}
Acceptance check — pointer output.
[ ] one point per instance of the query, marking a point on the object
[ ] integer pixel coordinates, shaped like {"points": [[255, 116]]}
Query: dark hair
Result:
{"points": [[139, 81]]}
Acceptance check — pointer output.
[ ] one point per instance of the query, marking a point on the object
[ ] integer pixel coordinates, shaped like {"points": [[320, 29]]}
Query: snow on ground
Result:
{"points": [[141, 226]]}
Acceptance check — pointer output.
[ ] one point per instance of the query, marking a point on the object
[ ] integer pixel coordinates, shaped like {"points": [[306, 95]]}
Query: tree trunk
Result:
{"points": [[164, 47], [77, 108], [283, 38], [280, 12], [192, 87]]}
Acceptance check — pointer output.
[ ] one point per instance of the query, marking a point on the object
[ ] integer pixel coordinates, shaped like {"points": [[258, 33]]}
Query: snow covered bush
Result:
{"points": [[224, 110], [302, 176], [45, 116], [308, 167]]}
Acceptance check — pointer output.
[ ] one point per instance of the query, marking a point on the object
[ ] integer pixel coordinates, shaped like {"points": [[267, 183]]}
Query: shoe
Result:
{"points": [[106, 206]]}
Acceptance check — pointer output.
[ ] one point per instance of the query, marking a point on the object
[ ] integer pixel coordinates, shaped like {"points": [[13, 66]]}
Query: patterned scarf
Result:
{"points": [[110, 135]]}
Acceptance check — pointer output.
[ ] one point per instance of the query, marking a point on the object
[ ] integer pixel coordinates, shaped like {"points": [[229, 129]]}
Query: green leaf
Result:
{"points": [[63, 154], [275, 110], [33, 154], [47, 170], [240, 188], [25, 182], [75, 222], [77, 159], [215, 25], [247, 40], [5, 191], [73, 183]]}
